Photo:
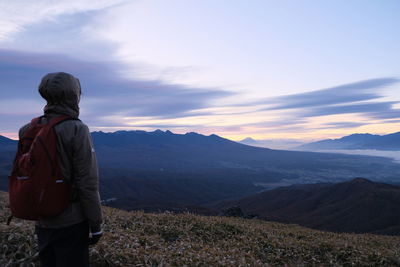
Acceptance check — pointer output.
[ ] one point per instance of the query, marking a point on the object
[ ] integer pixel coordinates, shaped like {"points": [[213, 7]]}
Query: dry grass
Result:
{"points": [[140, 239]]}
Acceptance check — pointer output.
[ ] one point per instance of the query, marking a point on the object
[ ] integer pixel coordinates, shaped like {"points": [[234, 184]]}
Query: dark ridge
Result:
{"points": [[156, 138], [356, 206], [358, 141]]}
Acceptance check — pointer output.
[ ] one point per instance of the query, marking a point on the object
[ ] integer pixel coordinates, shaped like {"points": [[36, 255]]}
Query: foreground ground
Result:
{"points": [[139, 239]]}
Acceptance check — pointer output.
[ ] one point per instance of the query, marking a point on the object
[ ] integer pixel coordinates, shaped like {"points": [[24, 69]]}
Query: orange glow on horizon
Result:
{"points": [[13, 136]]}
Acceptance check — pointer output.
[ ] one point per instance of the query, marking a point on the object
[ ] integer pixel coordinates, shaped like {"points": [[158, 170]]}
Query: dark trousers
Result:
{"points": [[64, 247]]}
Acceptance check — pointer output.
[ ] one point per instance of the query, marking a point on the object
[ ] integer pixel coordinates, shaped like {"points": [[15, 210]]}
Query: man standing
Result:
{"points": [[64, 239]]}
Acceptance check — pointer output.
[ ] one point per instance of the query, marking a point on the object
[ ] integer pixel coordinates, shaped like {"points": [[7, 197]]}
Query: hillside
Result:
{"points": [[359, 206], [390, 142], [140, 239]]}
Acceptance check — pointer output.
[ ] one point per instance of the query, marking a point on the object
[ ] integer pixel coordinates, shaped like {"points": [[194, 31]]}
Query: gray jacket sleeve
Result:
{"points": [[86, 176]]}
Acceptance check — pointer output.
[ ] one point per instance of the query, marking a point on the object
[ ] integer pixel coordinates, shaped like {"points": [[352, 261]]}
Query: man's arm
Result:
{"points": [[86, 178]]}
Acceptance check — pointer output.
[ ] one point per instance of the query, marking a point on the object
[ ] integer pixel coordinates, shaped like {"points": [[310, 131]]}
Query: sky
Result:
{"points": [[278, 70]]}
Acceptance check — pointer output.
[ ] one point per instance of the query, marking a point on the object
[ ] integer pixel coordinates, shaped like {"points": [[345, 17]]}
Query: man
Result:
{"points": [[64, 240]]}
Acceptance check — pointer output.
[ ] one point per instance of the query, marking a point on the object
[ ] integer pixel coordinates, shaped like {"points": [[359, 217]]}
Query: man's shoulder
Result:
{"points": [[71, 128], [72, 123]]}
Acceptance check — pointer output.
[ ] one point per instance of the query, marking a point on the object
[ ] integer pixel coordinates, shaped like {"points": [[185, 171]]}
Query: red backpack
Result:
{"points": [[36, 186]]}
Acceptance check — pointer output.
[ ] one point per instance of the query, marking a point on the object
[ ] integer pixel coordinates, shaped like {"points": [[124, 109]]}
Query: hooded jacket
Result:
{"points": [[75, 152]]}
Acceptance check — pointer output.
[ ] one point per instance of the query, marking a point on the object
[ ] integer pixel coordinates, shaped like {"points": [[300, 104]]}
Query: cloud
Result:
{"points": [[342, 124], [385, 114], [365, 108], [17, 14], [113, 101], [105, 92], [282, 123], [391, 120], [294, 112], [363, 97], [347, 93]]}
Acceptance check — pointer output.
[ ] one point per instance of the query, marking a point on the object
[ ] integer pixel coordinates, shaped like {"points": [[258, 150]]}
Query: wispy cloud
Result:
{"points": [[315, 110], [342, 124], [363, 97], [385, 114], [16, 15], [282, 123], [347, 93], [367, 109], [112, 101], [105, 92]]}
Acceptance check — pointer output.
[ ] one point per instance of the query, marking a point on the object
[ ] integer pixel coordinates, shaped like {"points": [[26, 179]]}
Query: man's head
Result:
{"points": [[62, 92]]}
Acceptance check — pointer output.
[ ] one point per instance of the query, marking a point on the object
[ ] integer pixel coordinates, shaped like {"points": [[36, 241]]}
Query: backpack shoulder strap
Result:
{"points": [[36, 120], [58, 120], [31, 131]]}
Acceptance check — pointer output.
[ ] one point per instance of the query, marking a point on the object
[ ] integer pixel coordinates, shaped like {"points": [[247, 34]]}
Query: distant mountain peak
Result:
{"points": [[192, 133], [248, 139]]}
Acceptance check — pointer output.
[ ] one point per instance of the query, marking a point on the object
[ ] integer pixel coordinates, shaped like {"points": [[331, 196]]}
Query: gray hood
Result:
{"points": [[62, 92]]}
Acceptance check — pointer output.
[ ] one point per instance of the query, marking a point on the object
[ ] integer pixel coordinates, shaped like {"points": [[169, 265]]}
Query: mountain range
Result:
{"points": [[161, 170], [390, 142], [166, 151], [356, 206]]}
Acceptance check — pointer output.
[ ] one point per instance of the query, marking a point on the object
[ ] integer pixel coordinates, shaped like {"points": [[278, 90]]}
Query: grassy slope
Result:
{"points": [[137, 239]]}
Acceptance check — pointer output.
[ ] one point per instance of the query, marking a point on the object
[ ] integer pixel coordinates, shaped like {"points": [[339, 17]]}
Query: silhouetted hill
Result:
{"points": [[4, 140], [153, 191], [7, 153], [359, 206], [7, 143], [358, 141], [157, 138]]}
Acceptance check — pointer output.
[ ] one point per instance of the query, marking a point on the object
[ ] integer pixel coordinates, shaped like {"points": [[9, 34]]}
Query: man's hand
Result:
{"points": [[95, 235], [94, 239]]}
